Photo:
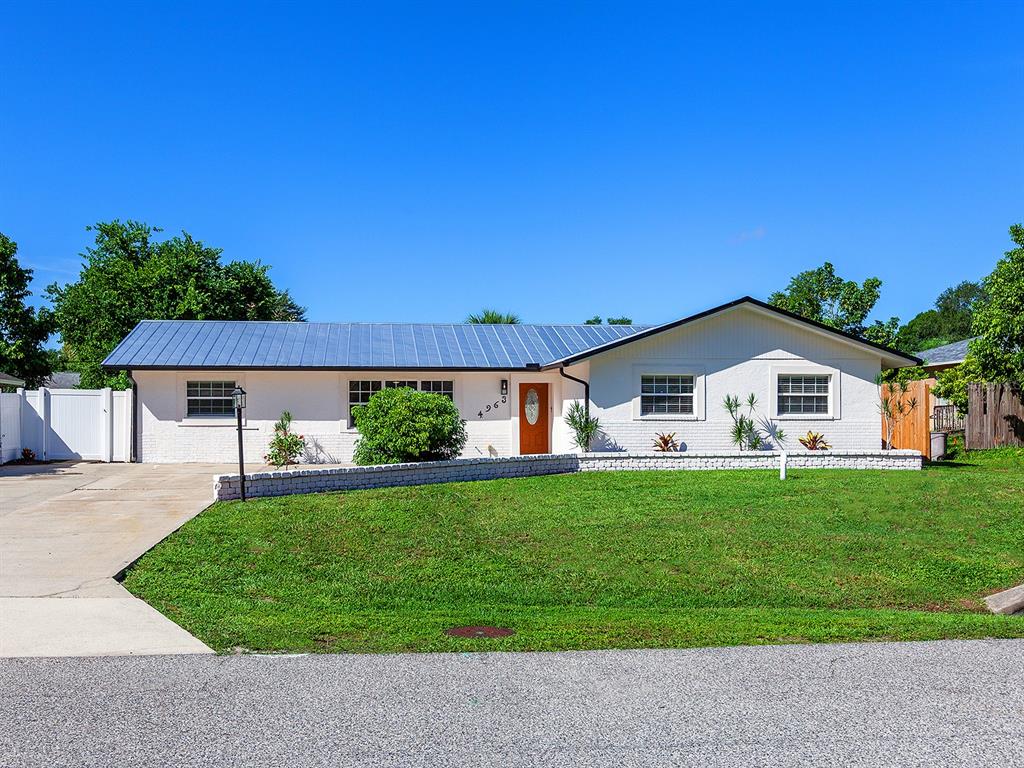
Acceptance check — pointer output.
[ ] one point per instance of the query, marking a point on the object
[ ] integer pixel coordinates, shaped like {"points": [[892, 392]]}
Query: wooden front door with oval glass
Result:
{"points": [[533, 419]]}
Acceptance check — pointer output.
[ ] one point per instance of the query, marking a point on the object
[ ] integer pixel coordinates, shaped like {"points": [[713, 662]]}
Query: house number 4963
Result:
{"points": [[492, 406]]}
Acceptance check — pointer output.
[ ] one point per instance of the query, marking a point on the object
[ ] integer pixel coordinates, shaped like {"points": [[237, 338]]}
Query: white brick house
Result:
{"points": [[512, 384]]}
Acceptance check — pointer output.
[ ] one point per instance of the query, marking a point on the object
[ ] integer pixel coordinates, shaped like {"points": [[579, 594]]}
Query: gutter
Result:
{"points": [[586, 388]]}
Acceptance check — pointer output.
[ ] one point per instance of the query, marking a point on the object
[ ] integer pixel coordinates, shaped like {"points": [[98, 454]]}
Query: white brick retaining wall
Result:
{"points": [[287, 482], [896, 459]]}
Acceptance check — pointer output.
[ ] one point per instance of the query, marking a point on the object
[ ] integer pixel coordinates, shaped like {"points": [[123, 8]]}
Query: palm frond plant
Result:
{"points": [[493, 317], [584, 426], [665, 442]]}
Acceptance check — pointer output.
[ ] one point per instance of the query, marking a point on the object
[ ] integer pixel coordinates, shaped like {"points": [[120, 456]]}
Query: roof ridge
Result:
{"points": [[307, 323]]}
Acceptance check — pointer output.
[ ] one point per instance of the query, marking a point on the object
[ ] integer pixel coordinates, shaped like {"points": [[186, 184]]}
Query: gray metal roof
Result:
{"points": [[10, 381], [947, 354], [63, 380], [183, 344]]}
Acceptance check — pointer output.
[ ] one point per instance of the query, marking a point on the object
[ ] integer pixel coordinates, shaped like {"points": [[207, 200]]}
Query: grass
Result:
{"points": [[604, 560]]}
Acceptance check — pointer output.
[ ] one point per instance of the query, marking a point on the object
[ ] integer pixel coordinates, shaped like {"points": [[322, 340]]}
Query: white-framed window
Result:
{"points": [[668, 394], [439, 387], [804, 393], [398, 384], [209, 398], [359, 393]]}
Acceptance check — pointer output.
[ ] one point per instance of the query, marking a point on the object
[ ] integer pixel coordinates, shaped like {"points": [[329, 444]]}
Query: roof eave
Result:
{"points": [[326, 368]]}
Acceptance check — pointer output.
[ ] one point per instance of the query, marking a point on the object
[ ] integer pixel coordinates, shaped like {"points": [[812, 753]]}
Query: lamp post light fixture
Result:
{"points": [[238, 395]]}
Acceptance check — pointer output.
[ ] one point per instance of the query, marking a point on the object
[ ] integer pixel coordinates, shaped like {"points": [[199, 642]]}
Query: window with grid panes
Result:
{"points": [[438, 387], [209, 398], [668, 394], [359, 393], [802, 393]]}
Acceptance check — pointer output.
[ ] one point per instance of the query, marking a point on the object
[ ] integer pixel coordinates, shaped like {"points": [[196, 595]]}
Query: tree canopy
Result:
{"points": [[596, 320], [949, 321], [821, 295], [128, 275], [23, 330], [998, 322], [493, 317]]}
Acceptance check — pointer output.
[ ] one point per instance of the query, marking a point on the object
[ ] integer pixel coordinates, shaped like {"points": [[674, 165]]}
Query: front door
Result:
{"points": [[533, 419]]}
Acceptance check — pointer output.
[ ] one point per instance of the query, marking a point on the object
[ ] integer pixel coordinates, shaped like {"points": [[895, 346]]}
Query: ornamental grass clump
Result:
{"points": [[285, 446], [401, 424]]}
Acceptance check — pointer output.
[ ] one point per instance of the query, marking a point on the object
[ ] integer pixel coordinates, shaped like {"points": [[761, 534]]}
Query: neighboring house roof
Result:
{"points": [[947, 354], [227, 345], [183, 344], [7, 380], [63, 380]]}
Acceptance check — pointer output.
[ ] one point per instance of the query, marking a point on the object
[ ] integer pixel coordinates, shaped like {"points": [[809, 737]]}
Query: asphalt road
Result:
{"points": [[900, 704]]}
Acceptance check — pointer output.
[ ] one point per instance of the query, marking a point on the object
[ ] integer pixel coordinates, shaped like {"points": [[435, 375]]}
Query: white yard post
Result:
{"points": [[782, 465], [107, 424]]}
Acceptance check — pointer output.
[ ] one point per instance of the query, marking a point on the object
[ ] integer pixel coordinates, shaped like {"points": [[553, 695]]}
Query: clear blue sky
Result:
{"points": [[419, 161]]}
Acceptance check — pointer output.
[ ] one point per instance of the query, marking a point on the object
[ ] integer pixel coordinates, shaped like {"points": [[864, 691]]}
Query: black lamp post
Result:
{"points": [[238, 395]]}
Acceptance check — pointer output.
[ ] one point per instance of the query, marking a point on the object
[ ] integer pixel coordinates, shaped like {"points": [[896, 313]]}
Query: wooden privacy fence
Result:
{"points": [[995, 415], [914, 430]]}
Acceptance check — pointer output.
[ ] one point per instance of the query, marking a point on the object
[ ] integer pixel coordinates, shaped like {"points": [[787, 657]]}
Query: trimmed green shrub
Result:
{"points": [[401, 424]]}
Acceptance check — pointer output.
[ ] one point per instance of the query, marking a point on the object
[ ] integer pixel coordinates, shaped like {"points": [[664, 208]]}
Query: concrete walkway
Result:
{"points": [[65, 531]]}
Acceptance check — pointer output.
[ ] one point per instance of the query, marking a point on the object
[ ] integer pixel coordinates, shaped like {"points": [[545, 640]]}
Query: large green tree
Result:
{"points": [[23, 330], [949, 321], [998, 352], [822, 295], [129, 275]]}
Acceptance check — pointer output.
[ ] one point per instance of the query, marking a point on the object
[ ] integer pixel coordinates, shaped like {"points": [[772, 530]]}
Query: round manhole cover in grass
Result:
{"points": [[479, 632]]}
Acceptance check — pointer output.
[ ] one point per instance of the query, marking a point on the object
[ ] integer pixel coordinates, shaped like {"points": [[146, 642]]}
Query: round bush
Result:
{"points": [[402, 424]]}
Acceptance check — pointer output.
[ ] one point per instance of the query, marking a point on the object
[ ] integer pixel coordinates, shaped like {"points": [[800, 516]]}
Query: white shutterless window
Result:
{"points": [[439, 387], [669, 394], [359, 393], [804, 394], [209, 398]]}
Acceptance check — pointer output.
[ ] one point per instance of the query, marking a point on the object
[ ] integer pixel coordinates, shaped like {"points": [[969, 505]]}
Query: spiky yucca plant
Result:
{"points": [[584, 426], [745, 432]]}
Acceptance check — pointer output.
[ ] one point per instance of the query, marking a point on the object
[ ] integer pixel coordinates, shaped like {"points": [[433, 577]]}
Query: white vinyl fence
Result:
{"points": [[58, 424]]}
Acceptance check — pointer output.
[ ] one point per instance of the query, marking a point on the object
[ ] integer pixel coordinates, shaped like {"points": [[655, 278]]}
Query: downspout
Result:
{"points": [[586, 388], [132, 455]]}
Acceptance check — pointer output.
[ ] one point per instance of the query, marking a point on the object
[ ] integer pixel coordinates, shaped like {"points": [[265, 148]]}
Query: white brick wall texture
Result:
{"points": [[227, 487]]}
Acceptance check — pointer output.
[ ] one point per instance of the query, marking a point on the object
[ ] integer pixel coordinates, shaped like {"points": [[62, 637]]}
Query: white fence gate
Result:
{"points": [[10, 426], [66, 424]]}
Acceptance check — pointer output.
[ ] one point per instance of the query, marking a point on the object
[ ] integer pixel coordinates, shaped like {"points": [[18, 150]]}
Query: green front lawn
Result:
{"points": [[604, 560]]}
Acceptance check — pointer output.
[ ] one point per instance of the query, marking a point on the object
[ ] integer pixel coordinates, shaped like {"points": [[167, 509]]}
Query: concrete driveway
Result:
{"points": [[65, 531]]}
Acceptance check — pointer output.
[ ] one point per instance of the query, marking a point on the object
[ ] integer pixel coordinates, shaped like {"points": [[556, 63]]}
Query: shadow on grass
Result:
{"points": [[952, 464]]}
